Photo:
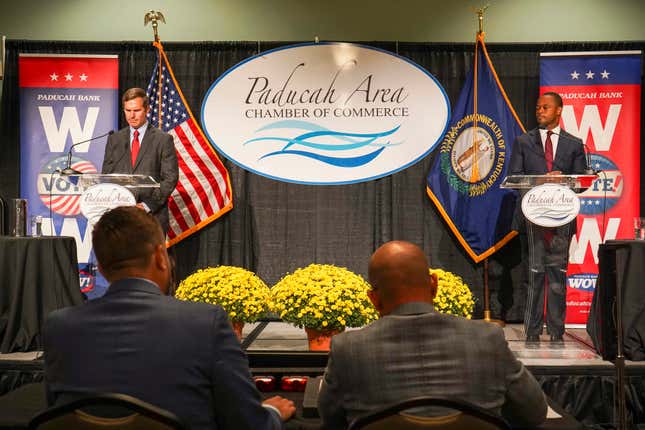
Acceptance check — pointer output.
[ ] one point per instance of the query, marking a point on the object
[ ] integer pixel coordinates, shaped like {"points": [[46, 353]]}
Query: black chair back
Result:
{"points": [[455, 415], [106, 411]]}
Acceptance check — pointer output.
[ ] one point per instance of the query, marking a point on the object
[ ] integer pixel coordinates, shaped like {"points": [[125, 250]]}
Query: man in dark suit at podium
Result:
{"points": [[546, 150], [143, 150]]}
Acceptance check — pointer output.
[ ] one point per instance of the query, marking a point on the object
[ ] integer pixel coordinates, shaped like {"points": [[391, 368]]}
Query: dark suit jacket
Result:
{"points": [[416, 351], [528, 155], [181, 356], [157, 158], [527, 158]]}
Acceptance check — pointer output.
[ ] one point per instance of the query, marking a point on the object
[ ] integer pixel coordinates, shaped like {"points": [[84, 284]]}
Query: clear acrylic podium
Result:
{"points": [[526, 182], [131, 182], [549, 226], [86, 182]]}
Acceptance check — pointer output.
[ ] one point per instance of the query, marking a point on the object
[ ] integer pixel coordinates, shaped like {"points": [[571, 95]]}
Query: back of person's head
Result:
{"points": [[128, 242], [399, 273]]}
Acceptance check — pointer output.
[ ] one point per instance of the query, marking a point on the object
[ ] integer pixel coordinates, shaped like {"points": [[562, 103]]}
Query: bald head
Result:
{"points": [[398, 273]]}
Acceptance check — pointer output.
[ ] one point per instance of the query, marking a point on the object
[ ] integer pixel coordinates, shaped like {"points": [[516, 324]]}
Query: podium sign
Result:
{"points": [[102, 192], [99, 198], [550, 205]]}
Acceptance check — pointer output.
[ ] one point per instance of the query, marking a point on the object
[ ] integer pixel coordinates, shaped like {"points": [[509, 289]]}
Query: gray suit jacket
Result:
{"points": [[181, 356], [416, 351], [157, 158]]}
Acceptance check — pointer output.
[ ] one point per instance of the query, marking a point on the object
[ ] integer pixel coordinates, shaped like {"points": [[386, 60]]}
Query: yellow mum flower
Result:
{"points": [[323, 296], [453, 295], [240, 292]]}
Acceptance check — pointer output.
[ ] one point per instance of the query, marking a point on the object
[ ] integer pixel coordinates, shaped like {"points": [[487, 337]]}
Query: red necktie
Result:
{"points": [[548, 155], [135, 147], [548, 151]]}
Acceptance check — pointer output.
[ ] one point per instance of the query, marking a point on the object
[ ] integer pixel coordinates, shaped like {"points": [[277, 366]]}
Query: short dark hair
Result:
{"points": [[556, 96], [125, 237], [133, 93]]}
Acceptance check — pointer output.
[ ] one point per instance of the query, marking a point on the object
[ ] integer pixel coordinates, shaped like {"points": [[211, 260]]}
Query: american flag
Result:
{"points": [[203, 192]]}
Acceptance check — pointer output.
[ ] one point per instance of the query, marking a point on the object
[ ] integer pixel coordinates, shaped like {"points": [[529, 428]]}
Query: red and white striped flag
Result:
{"points": [[203, 192]]}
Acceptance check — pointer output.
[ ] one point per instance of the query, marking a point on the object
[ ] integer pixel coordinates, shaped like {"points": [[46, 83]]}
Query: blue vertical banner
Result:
{"points": [[472, 161], [65, 99]]}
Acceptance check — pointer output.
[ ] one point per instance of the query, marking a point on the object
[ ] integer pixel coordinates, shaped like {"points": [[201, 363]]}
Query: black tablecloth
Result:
{"points": [[17, 407], [37, 276], [622, 265]]}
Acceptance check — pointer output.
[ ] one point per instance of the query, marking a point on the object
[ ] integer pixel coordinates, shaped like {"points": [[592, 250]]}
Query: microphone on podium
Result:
{"points": [[68, 168]]}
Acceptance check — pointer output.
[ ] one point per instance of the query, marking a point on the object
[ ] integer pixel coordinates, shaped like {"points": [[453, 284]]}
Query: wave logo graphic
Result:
{"points": [[549, 214], [319, 143]]}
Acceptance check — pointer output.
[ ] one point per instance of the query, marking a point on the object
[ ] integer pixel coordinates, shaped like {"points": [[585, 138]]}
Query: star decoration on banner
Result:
{"points": [[590, 74], [605, 74], [575, 75], [69, 77]]}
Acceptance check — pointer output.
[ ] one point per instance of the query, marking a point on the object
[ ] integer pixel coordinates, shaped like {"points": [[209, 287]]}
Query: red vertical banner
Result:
{"points": [[601, 105]]}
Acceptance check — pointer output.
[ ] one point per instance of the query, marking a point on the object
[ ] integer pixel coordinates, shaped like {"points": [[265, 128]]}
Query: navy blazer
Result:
{"points": [[178, 355], [157, 158], [528, 158]]}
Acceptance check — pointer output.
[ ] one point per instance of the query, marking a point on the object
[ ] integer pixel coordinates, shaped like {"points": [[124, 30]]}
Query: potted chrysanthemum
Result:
{"points": [[453, 295], [243, 295], [323, 299]]}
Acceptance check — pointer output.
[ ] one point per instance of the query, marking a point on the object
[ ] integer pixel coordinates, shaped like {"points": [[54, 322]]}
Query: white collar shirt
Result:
{"points": [[142, 132], [554, 138]]}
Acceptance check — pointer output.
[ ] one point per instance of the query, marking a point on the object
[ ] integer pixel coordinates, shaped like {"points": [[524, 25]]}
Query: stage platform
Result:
{"points": [[571, 373]]}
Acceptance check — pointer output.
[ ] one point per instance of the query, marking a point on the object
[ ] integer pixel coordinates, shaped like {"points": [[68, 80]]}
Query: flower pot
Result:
{"points": [[238, 326], [320, 340]]}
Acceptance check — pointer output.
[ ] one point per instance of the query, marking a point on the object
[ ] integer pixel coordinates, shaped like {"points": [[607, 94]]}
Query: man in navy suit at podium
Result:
{"points": [[546, 150]]}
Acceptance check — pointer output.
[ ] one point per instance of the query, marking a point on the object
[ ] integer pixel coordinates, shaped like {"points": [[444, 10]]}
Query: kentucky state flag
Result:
{"points": [[472, 161]]}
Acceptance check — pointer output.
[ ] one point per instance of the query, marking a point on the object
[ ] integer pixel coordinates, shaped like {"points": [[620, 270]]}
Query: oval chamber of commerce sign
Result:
{"points": [[550, 205], [327, 113]]}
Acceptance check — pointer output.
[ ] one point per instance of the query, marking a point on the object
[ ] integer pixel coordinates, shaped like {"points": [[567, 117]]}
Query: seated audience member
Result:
{"points": [[180, 356], [413, 350]]}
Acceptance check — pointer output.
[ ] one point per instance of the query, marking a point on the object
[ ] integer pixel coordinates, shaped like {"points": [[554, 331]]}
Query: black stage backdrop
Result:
{"points": [[276, 227]]}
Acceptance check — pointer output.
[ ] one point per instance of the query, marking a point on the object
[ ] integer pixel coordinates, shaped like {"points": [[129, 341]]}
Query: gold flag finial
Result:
{"points": [[154, 16], [480, 16]]}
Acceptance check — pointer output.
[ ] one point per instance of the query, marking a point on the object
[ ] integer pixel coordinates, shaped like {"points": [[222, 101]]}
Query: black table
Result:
{"points": [[17, 408], [37, 275], [621, 268]]}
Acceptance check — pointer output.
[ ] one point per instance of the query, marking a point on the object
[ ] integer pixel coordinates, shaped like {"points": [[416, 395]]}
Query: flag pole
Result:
{"points": [[480, 36], [154, 17]]}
